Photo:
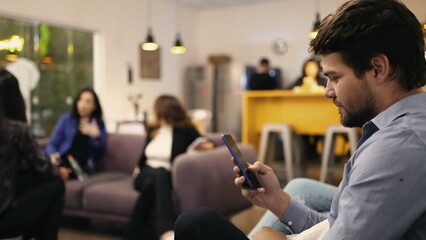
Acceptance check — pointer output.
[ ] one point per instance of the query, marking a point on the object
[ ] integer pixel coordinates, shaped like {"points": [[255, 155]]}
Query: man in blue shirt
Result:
{"points": [[373, 55]]}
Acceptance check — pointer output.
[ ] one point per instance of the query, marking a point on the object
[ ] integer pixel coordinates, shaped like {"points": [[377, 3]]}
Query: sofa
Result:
{"points": [[203, 178]]}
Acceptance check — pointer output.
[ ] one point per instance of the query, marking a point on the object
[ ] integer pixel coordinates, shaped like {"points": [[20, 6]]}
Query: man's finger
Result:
{"points": [[237, 171]]}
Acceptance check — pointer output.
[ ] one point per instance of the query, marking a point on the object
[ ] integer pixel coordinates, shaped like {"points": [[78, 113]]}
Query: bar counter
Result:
{"points": [[307, 113]]}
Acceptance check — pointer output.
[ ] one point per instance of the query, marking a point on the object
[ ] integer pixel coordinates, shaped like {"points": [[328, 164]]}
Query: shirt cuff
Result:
{"points": [[295, 216]]}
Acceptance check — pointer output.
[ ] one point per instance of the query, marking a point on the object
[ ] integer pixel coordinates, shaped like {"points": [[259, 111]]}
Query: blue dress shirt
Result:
{"points": [[383, 191]]}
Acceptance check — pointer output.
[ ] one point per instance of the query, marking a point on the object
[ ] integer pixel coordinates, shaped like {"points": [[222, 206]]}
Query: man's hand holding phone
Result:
{"points": [[258, 182], [270, 195], [239, 160]]}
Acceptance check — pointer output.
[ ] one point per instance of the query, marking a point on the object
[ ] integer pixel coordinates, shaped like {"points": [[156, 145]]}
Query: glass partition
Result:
{"points": [[52, 64]]}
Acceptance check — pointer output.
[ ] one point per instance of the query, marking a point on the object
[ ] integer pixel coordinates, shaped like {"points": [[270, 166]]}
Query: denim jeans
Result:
{"points": [[314, 194]]}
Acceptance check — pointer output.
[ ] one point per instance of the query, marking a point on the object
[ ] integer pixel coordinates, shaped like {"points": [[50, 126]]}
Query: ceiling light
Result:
{"points": [[178, 48], [149, 44], [314, 32]]}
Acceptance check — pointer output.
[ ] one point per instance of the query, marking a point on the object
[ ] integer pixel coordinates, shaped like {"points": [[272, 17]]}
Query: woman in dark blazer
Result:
{"points": [[79, 134], [31, 193], [169, 136]]}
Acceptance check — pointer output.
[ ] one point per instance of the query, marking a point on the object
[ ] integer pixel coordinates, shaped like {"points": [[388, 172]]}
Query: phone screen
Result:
{"points": [[251, 181]]}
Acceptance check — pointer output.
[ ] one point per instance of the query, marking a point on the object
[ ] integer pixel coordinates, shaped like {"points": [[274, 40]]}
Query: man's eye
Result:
{"points": [[334, 79]]}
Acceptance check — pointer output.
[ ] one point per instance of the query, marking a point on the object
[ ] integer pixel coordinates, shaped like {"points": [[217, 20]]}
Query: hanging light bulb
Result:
{"points": [[149, 44], [314, 33], [178, 48]]}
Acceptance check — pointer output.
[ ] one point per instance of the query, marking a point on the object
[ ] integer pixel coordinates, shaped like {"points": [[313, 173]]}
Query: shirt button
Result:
{"points": [[290, 223]]}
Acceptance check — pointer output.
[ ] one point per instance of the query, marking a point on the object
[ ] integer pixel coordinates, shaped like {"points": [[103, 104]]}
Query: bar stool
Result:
{"points": [[329, 145], [286, 133]]}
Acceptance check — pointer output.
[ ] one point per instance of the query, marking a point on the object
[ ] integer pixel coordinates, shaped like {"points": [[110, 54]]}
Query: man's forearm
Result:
{"points": [[279, 206]]}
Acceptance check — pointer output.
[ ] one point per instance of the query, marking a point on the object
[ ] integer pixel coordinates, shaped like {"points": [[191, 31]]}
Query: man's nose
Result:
{"points": [[329, 90]]}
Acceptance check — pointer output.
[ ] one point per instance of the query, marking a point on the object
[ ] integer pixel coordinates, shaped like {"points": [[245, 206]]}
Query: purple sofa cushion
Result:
{"points": [[112, 197], [123, 152], [75, 189]]}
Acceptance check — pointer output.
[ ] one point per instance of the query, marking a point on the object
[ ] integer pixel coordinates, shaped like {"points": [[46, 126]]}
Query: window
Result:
{"points": [[61, 57]]}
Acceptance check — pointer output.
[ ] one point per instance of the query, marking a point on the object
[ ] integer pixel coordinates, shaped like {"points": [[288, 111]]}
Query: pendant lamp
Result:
{"points": [[178, 47], [149, 44], [314, 32]]}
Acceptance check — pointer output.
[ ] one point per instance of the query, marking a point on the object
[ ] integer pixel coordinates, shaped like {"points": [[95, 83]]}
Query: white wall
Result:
{"points": [[120, 27], [246, 33]]}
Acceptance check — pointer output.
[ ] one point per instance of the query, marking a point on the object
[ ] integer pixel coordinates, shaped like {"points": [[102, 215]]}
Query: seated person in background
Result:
{"points": [[261, 79], [311, 79], [31, 193], [80, 135], [170, 135], [375, 78]]}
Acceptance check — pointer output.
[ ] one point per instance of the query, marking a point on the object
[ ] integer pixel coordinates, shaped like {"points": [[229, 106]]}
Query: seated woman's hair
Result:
{"points": [[169, 109], [97, 113], [12, 105]]}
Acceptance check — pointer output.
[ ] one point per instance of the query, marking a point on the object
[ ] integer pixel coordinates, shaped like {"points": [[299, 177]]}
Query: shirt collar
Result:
{"points": [[407, 105]]}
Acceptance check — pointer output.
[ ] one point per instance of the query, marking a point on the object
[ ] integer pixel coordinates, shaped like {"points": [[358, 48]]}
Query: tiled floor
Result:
{"points": [[85, 230]]}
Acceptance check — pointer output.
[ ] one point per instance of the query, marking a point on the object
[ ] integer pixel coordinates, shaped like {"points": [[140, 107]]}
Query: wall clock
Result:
{"points": [[280, 46]]}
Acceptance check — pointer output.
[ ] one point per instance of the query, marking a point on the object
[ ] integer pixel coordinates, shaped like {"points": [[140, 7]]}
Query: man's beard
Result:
{"points": [[359, 118]]}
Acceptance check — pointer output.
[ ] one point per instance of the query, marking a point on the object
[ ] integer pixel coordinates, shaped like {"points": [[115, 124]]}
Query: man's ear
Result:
{"points": [[381, 67]]}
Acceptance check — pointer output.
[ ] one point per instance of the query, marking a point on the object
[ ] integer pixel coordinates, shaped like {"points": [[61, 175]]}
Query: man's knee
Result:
{"points": [[189, 220], [295, 186], [194, 215]]}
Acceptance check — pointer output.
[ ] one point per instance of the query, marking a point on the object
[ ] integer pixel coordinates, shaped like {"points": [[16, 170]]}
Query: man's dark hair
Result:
{"points": [[362, 29], [264, 61]]}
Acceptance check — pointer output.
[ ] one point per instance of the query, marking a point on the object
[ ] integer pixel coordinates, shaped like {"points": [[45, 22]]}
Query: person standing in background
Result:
{"points": [[262, 79], [31, 193]]}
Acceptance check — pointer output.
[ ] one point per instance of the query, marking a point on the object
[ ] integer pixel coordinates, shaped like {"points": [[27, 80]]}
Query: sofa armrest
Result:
{"points": [[215, 138], [206, 179]]}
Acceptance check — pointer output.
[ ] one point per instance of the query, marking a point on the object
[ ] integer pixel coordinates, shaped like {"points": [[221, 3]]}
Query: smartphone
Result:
{"points": [[251, 180], [79, 173], [73, 164]]}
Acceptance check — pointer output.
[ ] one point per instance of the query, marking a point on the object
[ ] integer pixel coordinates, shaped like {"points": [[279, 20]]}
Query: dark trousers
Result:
{"points": [[155, 198], [38, 210], [206, 224]]}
